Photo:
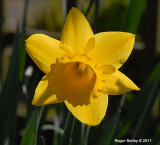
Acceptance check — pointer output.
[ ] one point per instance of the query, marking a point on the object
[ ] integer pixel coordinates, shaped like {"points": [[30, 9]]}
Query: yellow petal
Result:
{"points": [[90, 45], [91, 114], [117, 83], [76, 31], [112, 48], [43, 95], [43, 50], [107, 69]]}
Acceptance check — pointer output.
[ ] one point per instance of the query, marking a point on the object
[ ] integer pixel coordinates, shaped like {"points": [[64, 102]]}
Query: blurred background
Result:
{"points": [[137, 117]]}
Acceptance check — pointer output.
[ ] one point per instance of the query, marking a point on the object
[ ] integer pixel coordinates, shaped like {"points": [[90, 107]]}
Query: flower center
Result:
{"points": [[72, 81], [81, 68]]}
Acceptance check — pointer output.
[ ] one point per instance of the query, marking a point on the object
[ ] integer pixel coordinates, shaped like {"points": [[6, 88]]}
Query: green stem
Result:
{"points": [[68, 130]]}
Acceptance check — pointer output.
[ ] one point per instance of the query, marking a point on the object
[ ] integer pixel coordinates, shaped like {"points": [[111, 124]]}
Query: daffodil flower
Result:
{"points": [[81, 69]]}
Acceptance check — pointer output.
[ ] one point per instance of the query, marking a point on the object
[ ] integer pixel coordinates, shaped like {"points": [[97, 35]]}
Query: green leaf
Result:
{"points": [[33, 127], [38, 118], [133, 15], [22, 56], [22, 41], [9, 96], [25, 15], [139, 101], [55, 139], [29, 135], [112, 126], [68, 129], [77, 136], [142, 124], [30, 93]]}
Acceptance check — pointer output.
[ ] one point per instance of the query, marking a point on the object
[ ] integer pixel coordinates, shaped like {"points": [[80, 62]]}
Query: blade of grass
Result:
{"points": [[41, 119], [29, 134], [25, 15], [142, 124], [55, 139], [33, 126], [68, 129], [22, 42], [140, 101], [133, 15], [111, 127], [30, 93], [77, 133], [38, 117], [22, 56], [9, 95]]}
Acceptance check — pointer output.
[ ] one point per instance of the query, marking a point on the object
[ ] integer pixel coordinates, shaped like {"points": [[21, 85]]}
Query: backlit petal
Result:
{"points": [[117, 83], [76, 31], [112, 48], [91, 114], [107, 69], [90, 45], [43, 50], [43, 95]]}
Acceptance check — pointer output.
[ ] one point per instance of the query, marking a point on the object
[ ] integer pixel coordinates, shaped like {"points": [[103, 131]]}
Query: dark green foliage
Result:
{"points": [[9, 95], [133, 15], [68, 130]]}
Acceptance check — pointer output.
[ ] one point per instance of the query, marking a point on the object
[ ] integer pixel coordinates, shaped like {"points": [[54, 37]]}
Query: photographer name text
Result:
{"points": [[132, 140]]}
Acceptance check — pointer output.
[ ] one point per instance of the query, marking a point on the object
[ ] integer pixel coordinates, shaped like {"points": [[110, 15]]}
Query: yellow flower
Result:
{"points": [[82, 68]]}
